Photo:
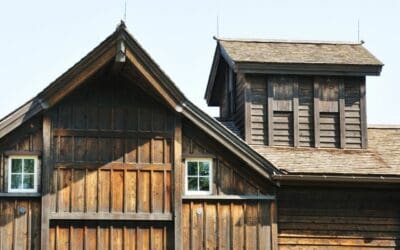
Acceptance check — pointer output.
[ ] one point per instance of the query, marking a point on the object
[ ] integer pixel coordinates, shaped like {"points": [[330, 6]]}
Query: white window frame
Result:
{"points": [[210, 176], [35, 174]]}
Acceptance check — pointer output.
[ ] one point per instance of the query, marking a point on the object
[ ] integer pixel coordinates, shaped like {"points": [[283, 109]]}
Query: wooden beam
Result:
{"points": [[296, 112], [46, 171], [149, 77], [114, 216], [270, 112], [111, 133], [228, 197], [342, 117], [20, 195], [23, 152], [316, 112], [363, 108], [71, 83], [178, 180]]}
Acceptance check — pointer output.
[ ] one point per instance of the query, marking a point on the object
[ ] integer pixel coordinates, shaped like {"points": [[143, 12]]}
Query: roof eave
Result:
{"points": [[309, 69]]}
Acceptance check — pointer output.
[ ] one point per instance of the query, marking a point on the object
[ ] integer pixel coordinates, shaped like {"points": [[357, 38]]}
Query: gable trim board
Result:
{"points": [[111, 49]]}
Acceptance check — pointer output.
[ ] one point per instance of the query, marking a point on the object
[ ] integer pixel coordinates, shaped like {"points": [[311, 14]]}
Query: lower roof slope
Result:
{"points": [[381, 158]]}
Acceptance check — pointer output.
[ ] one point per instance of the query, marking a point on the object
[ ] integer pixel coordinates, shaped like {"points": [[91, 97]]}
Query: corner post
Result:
{"points": [[178, 179], [46, 171], [342, 114], [270, 114], [363, 108]]}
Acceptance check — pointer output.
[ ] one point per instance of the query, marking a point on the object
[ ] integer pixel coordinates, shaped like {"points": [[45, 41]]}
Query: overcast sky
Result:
{"points": [[41, 39]]}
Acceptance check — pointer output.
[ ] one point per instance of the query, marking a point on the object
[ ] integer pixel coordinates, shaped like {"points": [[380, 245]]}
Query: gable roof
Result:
{"points": [[120, 47], [292, 57]]}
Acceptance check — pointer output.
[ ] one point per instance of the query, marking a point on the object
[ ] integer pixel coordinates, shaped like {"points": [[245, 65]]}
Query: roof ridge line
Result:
{"points": [[256, 40]]}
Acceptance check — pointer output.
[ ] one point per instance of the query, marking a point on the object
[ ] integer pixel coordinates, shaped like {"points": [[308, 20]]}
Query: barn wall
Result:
{"points": [[322, 218], [110, 235], [213, 222], [19, 223]]}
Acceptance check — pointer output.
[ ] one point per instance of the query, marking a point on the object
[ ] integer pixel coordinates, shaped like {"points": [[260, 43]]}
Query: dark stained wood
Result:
{"points": [[316, 113], [342, 117], [363, 108], [270, 112], [296, 135]]}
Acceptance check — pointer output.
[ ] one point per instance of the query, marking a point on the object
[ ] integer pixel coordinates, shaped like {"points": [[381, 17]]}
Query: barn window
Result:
{"points": [[198, 176], [22, 174]]}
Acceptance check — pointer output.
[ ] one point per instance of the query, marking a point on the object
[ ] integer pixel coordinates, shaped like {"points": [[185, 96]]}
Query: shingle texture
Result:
{"points": [[298, 52], [381, 158]]}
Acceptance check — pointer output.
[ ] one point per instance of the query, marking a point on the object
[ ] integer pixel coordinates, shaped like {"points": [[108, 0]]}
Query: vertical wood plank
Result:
{"points": [[342, 118], [274, 225], [270, 113], [247, 111], [363, 108], [296, 112], [316, 112], [46, 173], [178, 170]]}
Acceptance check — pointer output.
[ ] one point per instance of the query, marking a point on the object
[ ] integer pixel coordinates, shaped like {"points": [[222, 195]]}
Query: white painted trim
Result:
{"points": [[35, 174], [210, 162]]}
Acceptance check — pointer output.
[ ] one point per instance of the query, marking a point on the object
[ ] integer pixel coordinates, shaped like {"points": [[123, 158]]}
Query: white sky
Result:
{"points": [[41, 39]]}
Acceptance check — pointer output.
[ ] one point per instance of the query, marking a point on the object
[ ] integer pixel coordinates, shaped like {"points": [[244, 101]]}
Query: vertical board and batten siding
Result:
{"points": [[110, 235], [352, 111], [212, 223], [19, 217], [258, 110], [19, 230], [334, 218], [112, 154]]}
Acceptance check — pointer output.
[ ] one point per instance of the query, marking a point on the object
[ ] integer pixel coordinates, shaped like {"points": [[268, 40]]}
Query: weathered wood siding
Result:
{"points": [[215, 223], [110, 235], [306, 111], [353, 112], [239, 115], [258, 110], [226, 225], [25, 139], [19, 223], [112, 151], [334, 218]]}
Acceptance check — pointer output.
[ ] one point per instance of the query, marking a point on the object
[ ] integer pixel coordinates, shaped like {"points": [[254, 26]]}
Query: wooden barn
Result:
{"points": [[112, 155]]}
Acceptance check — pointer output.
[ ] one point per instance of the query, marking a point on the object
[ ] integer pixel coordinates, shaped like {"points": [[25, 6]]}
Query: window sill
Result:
{"points": [[22, 195]]}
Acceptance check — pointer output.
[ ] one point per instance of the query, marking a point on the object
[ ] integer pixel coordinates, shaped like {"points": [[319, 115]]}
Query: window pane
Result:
{"points": [[16, 181], [16, 166], [192, 184], [204, 167], [204, 184], [28, 165], [28, 181], [192, 168]]}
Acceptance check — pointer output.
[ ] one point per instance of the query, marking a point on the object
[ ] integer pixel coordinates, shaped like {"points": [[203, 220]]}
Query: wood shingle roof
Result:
{"points": [[307, 52], [381, 158]]}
